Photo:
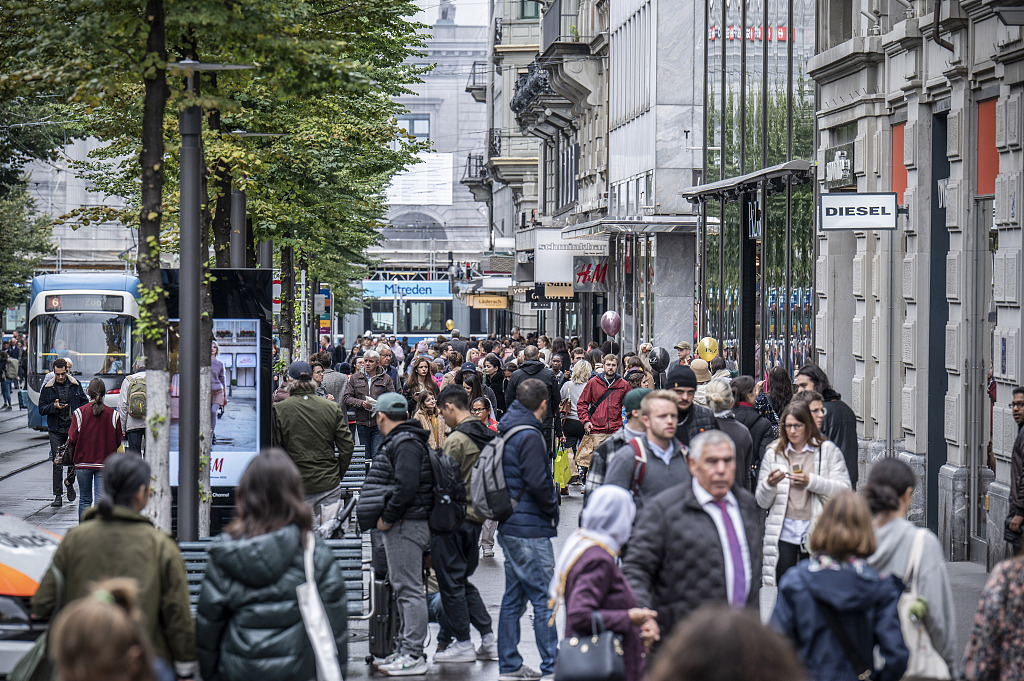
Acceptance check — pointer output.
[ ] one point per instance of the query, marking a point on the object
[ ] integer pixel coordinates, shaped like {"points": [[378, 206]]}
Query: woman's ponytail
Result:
{"points": [[97, 390]]}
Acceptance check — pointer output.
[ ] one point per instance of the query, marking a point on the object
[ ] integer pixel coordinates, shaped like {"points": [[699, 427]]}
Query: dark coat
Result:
{"points": [[358, 388], [49, 393], [675, 562], [497, 385], [1017, 474], [840, 426], [528, 477], [595, 582], [694, 422], [248, 623], [413, 481], [760, 435], [533, 368], [865, 605], [731, 426]]}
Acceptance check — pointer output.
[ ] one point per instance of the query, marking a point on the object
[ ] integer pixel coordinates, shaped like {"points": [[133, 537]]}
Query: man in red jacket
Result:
{"points": [[600, 405]]}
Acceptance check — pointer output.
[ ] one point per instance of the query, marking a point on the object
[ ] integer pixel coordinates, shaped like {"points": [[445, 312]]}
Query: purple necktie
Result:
{"points": [[739, 577]]}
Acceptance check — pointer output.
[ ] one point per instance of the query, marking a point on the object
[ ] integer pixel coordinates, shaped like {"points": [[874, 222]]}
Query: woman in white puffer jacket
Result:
{"points": [[799, 472]]}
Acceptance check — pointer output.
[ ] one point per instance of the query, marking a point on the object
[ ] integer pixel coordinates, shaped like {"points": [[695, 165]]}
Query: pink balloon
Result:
{"points": [[611, 323]]}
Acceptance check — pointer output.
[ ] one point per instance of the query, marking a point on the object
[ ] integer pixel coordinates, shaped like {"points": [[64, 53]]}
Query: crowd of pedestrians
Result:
{"points": [[723, 534]]}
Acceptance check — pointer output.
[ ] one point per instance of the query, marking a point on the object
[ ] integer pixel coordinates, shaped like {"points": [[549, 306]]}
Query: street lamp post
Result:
{"points": [[240, 236], [190, 124]]}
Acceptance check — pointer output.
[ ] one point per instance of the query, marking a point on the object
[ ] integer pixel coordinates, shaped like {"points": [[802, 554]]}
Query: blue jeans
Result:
{"points": [[6, 385], [90, 487], [529, 566], [370, 438]]}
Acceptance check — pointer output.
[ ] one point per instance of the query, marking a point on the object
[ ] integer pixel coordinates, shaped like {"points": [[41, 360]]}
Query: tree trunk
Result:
{"points": [[153, 311], [286, 326]]}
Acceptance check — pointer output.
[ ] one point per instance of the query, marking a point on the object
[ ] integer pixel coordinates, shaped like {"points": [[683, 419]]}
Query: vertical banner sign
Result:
{"points": [[325, 316], [276, 292], [590, 274]]}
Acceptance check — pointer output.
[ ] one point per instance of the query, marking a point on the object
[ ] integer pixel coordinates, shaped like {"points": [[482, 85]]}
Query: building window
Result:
{"points": [[529, 9], [836, 26], [417, 125]]}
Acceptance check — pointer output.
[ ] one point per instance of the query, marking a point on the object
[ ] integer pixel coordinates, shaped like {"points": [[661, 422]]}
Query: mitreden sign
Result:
{"points": [[847, 211]]}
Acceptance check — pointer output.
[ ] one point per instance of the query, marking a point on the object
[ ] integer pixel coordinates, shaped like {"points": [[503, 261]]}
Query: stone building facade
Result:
{"points": [[920, 327]]}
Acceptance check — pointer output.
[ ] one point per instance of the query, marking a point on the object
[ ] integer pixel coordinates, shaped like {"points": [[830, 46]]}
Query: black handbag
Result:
{"points": [[597, 657]]}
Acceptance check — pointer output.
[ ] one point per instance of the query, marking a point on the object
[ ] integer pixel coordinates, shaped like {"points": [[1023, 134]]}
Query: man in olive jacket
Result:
{"points": [[455, 555], [309, 428]]}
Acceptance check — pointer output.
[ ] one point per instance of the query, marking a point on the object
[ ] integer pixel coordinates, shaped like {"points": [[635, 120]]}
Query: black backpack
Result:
{"points": [[449, 510]]}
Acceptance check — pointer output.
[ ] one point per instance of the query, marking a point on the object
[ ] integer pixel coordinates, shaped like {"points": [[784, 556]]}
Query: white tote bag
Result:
{"points": [[314, 617], [925, 663]]}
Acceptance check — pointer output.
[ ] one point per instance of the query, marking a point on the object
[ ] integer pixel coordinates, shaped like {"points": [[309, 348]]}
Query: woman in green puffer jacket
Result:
{"points": [[248, 623]]}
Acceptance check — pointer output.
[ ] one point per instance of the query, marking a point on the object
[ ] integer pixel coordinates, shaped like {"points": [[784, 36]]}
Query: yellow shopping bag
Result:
{"points": [[562, 472]]}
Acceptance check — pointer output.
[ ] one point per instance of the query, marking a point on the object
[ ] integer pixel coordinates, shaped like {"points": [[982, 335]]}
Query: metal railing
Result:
{"points": [[561, 25], [477, 76], [475, 167], [494, 142]]}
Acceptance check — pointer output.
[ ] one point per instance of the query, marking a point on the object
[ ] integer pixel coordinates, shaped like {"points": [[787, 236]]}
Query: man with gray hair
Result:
{"points": [[697, 542], [361, 394]]}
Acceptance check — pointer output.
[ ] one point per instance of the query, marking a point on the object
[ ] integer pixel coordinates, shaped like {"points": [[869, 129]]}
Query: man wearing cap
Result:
{"points": [[683, 350], [404, 463], [634, 427], [693, 418], [310, 428]]}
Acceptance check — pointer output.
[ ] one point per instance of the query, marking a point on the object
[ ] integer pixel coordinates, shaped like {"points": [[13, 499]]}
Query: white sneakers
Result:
{"points": [[488, 649], [405, 665], [460, 651]]}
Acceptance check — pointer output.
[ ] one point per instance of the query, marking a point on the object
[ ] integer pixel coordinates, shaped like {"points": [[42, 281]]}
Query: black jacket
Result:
{"points": [[533, 368], [760, 434], [840, 426], [248, 622], [694, 422], [75, 400], [497, 385], [675, 562], [1017, 474], [734, 428], [413, 482]]}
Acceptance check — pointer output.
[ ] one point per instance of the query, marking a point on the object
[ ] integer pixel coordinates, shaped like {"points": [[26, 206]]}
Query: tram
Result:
{"points": [[87, 317]]}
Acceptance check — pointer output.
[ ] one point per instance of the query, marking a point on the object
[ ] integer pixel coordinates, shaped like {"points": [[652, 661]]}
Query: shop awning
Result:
{"points": [[654, 224], [796, 171]]}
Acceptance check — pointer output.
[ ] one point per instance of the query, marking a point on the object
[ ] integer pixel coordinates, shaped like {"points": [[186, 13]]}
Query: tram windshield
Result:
{"points": [[97, 344]]}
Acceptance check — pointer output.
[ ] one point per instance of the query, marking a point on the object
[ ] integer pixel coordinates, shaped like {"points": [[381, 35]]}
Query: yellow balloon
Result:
{"points": [[449, 325], [707, 348]]}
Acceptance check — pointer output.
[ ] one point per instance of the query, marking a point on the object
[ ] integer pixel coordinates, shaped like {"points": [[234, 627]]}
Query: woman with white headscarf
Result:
{"points": [[589, 579]]}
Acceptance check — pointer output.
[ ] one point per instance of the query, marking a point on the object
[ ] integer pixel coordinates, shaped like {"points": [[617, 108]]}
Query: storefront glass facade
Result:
{"points": [[757, 239]]}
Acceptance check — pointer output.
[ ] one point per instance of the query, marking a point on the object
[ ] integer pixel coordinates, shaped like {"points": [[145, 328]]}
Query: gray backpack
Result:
{"points": [[487, 490]]}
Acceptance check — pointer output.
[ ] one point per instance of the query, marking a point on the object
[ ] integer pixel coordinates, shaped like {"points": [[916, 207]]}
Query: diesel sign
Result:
{"points": [[848, 211]]}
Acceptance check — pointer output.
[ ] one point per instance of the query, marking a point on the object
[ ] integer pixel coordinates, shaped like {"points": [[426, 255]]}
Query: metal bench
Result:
{"points": [[348, 552]]}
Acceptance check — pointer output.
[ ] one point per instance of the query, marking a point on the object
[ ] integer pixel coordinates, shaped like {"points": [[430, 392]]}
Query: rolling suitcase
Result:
{"points": [[23, 399], [384, 620]]}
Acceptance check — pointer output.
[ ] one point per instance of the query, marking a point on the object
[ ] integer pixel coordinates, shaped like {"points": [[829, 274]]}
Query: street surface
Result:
{"points": [[25, 492]]}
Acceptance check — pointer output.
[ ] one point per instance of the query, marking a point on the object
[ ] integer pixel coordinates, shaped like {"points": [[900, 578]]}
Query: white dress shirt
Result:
{"points": [[707, 502]]}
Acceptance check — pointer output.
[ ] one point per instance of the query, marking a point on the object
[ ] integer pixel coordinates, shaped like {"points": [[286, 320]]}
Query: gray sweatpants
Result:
{"points": [[404, 545]]}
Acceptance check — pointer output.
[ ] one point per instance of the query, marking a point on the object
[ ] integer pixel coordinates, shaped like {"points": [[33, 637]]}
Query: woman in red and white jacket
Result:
{"points": [[96, 433]]}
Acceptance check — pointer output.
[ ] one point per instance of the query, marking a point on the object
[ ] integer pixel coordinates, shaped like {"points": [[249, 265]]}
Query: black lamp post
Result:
{"points": [[190, 124]]}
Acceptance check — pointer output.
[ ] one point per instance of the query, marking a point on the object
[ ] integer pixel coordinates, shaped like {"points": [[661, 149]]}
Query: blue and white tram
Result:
{"points": [[87, 317]]}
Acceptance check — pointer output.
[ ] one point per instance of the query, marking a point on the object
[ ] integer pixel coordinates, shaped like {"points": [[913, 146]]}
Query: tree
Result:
{"points": [[24, 241]]}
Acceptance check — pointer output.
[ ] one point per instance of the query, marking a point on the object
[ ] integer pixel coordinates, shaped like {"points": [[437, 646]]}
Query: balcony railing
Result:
{"points": [[562, 25], [477, 85], [476, 168], [493, 143]]}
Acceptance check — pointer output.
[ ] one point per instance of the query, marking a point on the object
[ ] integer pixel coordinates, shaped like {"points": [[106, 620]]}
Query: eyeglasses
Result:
{"points": [[1016, 405], [793, 426], [478, 410]]}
